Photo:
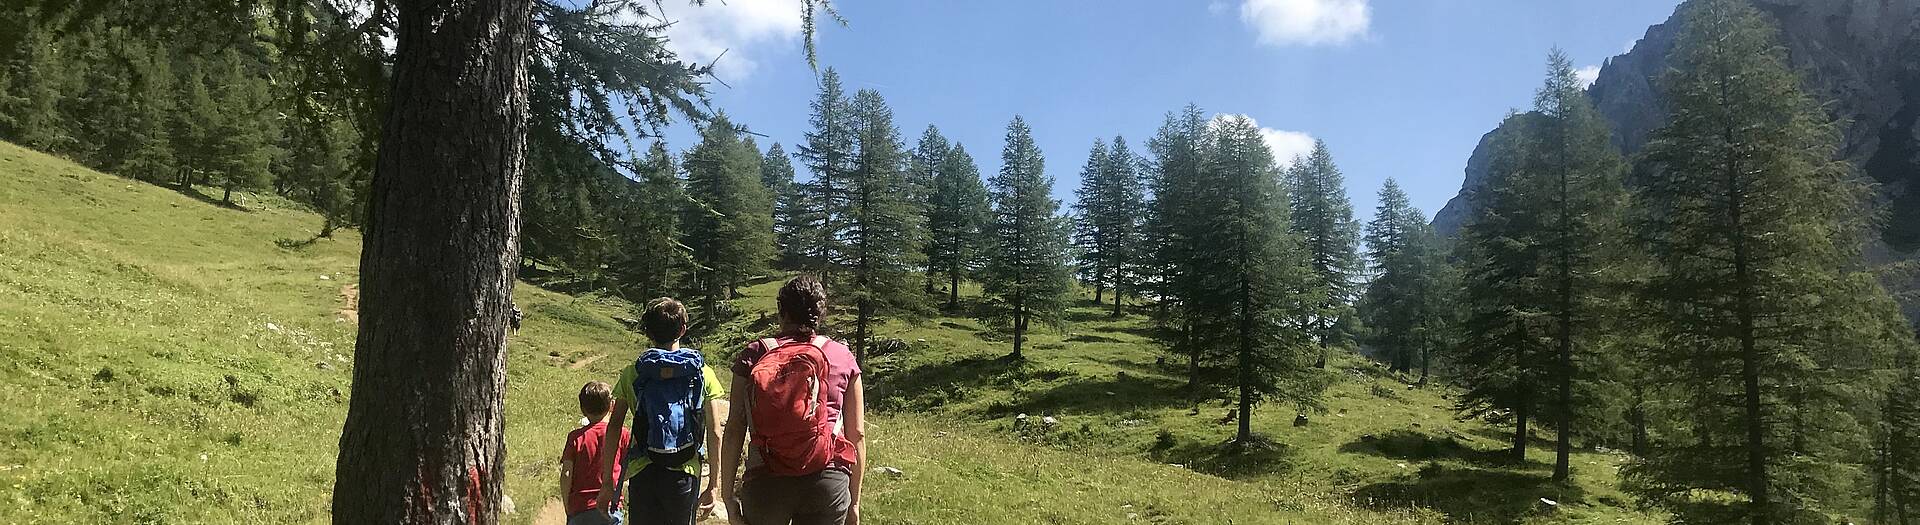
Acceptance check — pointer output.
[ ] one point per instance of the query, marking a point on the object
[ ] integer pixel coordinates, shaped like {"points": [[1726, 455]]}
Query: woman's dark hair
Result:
{"points": [[803, 303]]}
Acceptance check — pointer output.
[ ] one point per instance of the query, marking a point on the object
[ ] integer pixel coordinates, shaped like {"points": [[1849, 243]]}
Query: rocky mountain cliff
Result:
{"points": [[1862, 55]]}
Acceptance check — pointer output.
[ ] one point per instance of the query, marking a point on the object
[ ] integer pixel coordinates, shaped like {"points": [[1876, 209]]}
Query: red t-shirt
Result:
{"points": [[583, 448], [841, 369]]}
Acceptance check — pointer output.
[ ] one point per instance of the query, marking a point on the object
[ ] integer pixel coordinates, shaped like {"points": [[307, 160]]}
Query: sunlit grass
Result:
{"points": [[166, 360]]}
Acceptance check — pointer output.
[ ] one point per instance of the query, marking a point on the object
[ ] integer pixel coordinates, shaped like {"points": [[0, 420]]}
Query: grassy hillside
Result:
{"points": [[167, 360]]}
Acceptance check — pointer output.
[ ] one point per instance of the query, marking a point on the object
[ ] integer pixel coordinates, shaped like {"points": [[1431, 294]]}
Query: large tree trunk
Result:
{"points": [[423, 440]]}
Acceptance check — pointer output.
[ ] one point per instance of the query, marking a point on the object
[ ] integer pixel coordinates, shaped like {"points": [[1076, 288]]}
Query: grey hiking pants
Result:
{"points": [[815, 499]]}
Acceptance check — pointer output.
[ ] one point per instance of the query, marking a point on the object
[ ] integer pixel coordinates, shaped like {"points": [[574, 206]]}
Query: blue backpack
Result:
{"points": [[671, 410]]}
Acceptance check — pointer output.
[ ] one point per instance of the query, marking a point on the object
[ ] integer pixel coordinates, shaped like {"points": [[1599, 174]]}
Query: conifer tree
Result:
{"points": [[958, 218], [922, 169], [1389, 305], [790, 212], [884, 227], [1257, 275], [1027, 272], [1087, 239], [194, 121], [1173, 230], [241, 147], [1124, 192], [828, 152], [729, 225], [1896, 465], [1499, 355], [1324, 219], [149, 154], [652, 251], [1584, 197], [37, 79], [1755, 233], [1110, 204]]}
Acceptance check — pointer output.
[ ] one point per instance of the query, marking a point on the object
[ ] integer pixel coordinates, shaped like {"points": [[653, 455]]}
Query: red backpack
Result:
{"points": [[787, 408]]}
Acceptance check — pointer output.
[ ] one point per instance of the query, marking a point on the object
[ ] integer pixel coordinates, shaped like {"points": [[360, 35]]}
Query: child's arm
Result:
{"points": [[856, 433], [730, 445], [566, 475], [713, 436], [610, 455]]}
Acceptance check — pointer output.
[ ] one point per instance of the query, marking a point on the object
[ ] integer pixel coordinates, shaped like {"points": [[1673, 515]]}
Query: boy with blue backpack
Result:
{"points": [[669, 390]]}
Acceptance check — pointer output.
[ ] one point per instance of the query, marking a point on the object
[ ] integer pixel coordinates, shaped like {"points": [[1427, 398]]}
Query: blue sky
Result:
{"points": [[1397, 88]]}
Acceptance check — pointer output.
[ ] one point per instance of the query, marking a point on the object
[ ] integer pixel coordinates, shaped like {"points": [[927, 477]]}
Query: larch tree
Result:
{"points": [[1583, 201], [923, 168], [1256, 276], [1087, 235], [1125, 194], [958, 218], [1388, 304], [729, 226], [1111, 202], [1896, 467], [828, 153], [1499, 357], [1771, 322], [1173, 230], [650, 223], [885, 229], [790, 211], [242, 133], [1027, 273], [1323, 216]]}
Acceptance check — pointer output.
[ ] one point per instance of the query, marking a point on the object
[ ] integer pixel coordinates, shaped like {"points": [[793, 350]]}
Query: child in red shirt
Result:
{"points": [[581, 458]]}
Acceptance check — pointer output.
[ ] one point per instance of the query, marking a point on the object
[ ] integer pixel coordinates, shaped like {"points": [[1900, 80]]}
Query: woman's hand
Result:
{"points": [[706, 503], [853, 515]]}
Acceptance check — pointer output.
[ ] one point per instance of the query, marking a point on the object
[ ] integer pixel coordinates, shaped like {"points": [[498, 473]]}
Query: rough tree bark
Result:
{"points": [[423, 439]]}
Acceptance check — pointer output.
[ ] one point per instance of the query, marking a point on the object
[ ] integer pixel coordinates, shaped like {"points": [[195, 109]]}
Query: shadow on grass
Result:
{"points": [[1090, 338], [1470, 495], [933, 385], [195, 194], [1087, 316], [1085, 395], [1505, 437], [1418, 446], [957, 326], [296, 244], [1231, 460]]}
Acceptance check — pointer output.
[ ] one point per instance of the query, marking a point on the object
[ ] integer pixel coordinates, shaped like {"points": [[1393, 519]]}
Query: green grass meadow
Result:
{"points": [[165, 359]]}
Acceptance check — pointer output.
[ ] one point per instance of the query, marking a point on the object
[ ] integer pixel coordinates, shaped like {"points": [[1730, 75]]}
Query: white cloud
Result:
{"points": [[1307, 22], [742, 29], [1285, 144], [1587, 75]]}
